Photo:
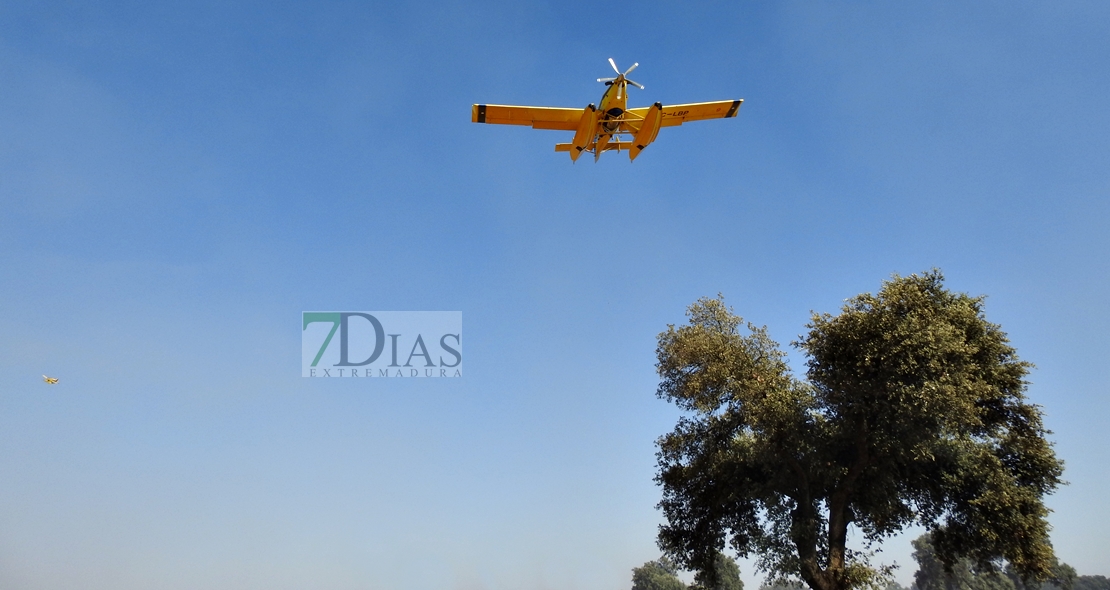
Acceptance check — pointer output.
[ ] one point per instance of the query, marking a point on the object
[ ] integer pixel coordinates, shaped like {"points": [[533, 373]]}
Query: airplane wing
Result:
{"points": [[678, 114], [537, 117]]}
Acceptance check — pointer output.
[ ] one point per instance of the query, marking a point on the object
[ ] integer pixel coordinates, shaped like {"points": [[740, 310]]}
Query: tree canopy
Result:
{"points": [[964, 575], [912, 410], [662, 574], [725, 575], [1091, 583]]}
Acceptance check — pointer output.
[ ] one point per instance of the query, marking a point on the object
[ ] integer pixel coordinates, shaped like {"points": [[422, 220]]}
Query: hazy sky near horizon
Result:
{"points": [[179, 181]]}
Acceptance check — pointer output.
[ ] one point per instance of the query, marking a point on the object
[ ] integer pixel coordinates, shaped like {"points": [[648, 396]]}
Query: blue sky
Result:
{"points": [[178, 181]]}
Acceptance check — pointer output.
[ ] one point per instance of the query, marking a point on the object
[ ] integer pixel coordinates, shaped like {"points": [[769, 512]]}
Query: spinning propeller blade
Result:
{"points": [[621, 77]]}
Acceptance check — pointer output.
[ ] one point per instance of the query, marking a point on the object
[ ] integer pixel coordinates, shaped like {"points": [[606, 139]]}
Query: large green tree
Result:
{"points": [[912, 411]]}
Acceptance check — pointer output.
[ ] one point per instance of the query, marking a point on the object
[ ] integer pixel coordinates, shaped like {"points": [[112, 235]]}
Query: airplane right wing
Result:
{"points": [[537, 117], [678, 114]]}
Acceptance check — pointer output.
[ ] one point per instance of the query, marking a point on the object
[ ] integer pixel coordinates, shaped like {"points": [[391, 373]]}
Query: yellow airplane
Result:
{"points": [[50, 380], [612, 127]]}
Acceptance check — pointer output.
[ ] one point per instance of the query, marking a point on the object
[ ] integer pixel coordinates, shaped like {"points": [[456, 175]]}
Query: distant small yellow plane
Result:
{"points": [[612, 127], [50, 380]]}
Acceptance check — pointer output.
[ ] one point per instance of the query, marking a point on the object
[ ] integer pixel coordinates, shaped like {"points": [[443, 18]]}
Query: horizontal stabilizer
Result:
{"points": [[612, 145]]}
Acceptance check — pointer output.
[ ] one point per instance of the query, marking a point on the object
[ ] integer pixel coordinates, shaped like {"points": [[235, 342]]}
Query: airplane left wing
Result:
{"points": [[537, 117], [678, 114]]}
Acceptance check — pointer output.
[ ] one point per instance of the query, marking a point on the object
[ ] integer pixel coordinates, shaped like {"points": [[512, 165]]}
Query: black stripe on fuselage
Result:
{"points": [[481, 113], [732, 109]]}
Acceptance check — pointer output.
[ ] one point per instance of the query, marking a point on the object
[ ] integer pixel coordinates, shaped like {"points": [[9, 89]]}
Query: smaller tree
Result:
{"points": [[783, 584], [661, 574], [724, 576], [1091, 583], [962, 575], [1062, 578]]}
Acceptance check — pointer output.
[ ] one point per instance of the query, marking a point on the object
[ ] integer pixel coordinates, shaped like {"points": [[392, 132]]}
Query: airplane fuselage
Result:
{"points": [[614, 102]]}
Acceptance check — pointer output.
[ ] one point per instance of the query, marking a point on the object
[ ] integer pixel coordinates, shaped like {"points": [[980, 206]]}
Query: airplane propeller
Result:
{"points": [[620, 79]]}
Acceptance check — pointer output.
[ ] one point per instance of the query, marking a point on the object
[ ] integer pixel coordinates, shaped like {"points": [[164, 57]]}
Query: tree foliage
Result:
{"points": [[786, 584], [725, 575], [1061, 577], [1091, 583], [964, 575], [912, 411], [661, 574]]}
